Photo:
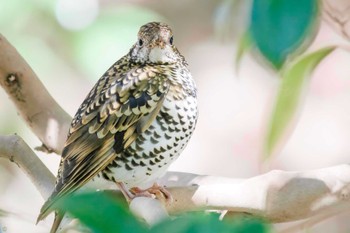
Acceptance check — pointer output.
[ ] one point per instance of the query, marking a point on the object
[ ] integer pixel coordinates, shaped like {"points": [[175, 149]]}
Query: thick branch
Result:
{"points": [[39, 110], [278, 196]]}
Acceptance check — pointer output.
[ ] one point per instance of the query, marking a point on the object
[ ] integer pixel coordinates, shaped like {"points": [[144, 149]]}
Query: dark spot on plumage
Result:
{"points": [[171, 129], [160, 166], [154, 141], [127, 167], [180, 116], [141, 138], [161, 156], [105, 176], [142, 163], [138, 146], [159, 94], [168, 119], [148, 132], [167, 136], [182, 122], [175, 144], [163, 127], [107, 170], [118, 144], [114, 163], [157, 160], [148, 174], [159, 119], [141, 101], [130, 151], [152, 155], [156, 135], [149, 169], [126, 154], [162, 149], [156, 151], [177, 139], [144, 155], [134, 163], [177, 130], [166, 108], [137, 156], [123, 159], [169, 147], [152, 162], [182, 137]]}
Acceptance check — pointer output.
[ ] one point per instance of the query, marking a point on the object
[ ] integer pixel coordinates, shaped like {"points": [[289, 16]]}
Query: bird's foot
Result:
{"points": [[156, 191]]}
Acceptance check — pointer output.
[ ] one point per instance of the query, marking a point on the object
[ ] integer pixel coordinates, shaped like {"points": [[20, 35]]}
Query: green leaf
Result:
{"points": [[293, 81], [204, 223], [101, 212], [279, 27]]}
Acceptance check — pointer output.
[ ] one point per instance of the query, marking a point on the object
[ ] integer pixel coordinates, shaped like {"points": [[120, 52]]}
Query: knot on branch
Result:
{"points": [[15, 87]]}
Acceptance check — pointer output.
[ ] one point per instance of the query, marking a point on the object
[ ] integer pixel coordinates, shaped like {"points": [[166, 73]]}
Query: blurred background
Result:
{"points": [[69, 44]]}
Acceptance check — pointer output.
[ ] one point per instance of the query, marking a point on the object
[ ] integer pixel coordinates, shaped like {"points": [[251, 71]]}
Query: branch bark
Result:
{"points": [[14, 149], [39, 110]]}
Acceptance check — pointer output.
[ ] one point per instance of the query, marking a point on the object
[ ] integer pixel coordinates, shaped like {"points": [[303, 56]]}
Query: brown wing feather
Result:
{"points": [[117, 108]]}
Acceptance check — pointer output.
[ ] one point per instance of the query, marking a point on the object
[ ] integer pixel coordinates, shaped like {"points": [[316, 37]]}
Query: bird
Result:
{"points": [[135, 121]]}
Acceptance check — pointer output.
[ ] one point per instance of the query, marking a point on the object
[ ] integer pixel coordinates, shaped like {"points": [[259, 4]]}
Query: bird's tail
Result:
{"points": [[46, 210], [56, 223]]}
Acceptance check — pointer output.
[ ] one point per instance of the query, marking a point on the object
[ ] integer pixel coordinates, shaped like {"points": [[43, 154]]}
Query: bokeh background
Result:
{"points": [[70, 44]]}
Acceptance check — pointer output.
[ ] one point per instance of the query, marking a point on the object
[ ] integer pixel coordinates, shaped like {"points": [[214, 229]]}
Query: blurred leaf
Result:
{"points": [[101, 212], [244, 45], [204, 223], [279, 27], [231, 18], [293, 81]]}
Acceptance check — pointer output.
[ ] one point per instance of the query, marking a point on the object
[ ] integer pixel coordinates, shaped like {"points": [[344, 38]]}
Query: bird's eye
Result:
{"points": [[171, 40], [140, 42]]}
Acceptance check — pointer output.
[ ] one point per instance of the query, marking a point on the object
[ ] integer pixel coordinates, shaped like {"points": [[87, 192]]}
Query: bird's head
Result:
{"points": [[154, 44]]}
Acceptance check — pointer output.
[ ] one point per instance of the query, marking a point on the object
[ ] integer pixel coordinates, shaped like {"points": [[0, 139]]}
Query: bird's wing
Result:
{"points": [[116, 110]]}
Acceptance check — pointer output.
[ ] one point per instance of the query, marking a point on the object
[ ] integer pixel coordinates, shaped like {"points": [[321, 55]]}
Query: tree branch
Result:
{"points": [[13, 148], [39, 110]]}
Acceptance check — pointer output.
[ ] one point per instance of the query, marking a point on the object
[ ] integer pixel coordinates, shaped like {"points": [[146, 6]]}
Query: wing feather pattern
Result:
{"points": [[117, 109]]}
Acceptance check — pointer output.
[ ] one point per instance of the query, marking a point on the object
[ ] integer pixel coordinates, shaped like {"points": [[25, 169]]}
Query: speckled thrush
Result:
{"points": [[134, 123]]}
